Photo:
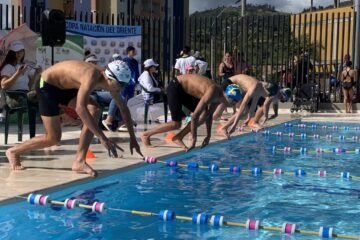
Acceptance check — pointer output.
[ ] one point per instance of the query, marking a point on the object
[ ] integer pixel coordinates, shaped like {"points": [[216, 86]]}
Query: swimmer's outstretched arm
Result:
{"points": [[125, 113]]}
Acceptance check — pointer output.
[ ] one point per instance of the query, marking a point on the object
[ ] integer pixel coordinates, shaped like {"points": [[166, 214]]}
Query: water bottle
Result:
{"points": [[332, 97]]}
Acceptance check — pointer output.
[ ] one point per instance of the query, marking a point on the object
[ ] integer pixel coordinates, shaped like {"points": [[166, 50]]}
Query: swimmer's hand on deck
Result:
{"points": [[134, 144], [111, 147], [206, 141]]}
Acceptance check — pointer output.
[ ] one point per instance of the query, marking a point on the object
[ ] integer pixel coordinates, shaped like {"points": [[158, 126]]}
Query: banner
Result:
{"points": [[106, 40], [71, 50]]}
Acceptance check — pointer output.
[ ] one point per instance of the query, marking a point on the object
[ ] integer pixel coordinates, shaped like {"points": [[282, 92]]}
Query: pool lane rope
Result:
{"points": [[255, 171], [323, 127], [328, 137], [196, 218], [304, 150]]}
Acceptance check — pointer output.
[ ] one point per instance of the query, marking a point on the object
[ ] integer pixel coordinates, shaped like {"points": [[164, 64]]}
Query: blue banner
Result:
{"points": [[101, 30]]}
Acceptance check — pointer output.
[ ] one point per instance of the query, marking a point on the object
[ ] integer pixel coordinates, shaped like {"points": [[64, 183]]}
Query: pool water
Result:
{"points": [[308, 201]]}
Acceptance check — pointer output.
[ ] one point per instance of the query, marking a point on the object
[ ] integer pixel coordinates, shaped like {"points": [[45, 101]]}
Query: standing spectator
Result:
{"points": [[134, 68], [303, 66], [226, 67], [347, 77], [18, 77], [185, 59], [200, 64], [241, 65], [343, 66]]}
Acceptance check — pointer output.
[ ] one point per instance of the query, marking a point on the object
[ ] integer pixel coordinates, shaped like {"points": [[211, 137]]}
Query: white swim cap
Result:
{"points": [[118, 71]]}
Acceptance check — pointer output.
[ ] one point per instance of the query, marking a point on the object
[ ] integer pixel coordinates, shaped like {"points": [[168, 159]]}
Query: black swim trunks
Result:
{"points": [[177, 98], [50, 97], [347, 85], [259, 103]]}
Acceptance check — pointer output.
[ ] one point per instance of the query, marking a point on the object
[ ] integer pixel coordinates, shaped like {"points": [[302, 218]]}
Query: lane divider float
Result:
{"points": [[255, 171], [196, 218]]}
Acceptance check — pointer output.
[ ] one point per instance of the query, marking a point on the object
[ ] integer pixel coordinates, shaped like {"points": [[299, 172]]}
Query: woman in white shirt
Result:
{"points": [[19, 77], [150, 87]]}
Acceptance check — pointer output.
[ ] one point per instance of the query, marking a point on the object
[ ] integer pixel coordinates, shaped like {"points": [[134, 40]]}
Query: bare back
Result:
{"points": [[71, 74], [348, 75], [245, 82], [195, 85]]}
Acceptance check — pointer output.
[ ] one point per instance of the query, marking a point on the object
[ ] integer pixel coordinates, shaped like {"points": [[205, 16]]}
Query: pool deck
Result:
{"points": [[51, 168]]}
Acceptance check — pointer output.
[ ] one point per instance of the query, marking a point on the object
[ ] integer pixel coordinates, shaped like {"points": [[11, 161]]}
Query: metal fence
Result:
{"points": [[289, 49]]}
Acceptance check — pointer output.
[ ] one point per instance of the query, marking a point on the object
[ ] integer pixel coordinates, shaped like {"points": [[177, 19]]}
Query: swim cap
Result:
{"points": [[272, 88], [285, 94], [118, 71], [233, 92]]}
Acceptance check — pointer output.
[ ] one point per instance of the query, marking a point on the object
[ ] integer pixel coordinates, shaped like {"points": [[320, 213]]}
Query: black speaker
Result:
{"points": [[53, 28]]}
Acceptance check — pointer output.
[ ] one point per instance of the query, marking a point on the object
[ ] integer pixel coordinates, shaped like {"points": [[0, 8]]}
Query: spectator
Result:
{"points": [[134, 68], [20, 77], [241, 65], [149, 85], [226, 67], [347, 77], [200, 64], [343, 66], [303, 65], [185, 58]]}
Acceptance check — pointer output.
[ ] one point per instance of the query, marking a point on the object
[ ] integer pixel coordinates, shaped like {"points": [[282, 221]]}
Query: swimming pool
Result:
{"points": [[309, 201]]}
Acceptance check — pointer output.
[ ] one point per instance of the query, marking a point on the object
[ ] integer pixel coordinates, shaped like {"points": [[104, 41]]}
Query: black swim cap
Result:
{"points": [[273, 89]]}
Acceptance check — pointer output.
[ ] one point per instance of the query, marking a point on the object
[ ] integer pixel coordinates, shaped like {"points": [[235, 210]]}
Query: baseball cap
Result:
{"points": [[150, 62], [16, 46], [91, 58], [116, 56], [118, 71], [233, 92]]}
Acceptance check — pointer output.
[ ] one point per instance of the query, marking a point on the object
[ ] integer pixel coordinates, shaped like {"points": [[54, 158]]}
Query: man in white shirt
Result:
{"points": [[185, 59]]}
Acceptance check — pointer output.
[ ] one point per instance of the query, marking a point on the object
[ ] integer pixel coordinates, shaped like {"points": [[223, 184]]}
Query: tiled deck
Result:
{"points": [[52, 167]]}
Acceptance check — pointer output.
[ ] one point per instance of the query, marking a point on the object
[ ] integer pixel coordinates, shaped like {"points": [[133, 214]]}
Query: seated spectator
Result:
{"points": [[20, 77], [148, 83]]}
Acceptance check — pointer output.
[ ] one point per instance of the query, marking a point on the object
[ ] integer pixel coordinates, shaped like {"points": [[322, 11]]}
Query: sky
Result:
{"points": [[291, 6]]}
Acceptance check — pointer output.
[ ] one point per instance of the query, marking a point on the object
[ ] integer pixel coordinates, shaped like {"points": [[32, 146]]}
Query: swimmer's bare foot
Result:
{"points": [[83, 167], [257, 126], [14, 160], [180, 143], [146, 141], [223, 133]]}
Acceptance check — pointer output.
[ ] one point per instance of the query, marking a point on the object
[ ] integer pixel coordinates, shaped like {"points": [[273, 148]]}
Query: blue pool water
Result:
{"points": [[308, 201]]}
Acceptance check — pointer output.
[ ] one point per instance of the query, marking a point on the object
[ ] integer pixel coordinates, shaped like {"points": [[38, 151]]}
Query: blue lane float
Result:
{"points": [[314, 126], [256, 171], [303, 150], [168, 215], [303, 136]]}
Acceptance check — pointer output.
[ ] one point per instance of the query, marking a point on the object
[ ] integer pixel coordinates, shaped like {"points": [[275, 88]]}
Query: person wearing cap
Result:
{"points": [[200, 64], [254, 94], [91, 58], [19, 77], [149, 85], [61, 84], [201, 96]]}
